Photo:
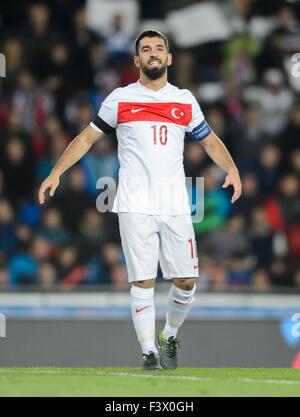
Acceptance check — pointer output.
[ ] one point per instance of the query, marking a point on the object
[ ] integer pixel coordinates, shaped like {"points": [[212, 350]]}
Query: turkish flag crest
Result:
{"points": [[178, 113]]}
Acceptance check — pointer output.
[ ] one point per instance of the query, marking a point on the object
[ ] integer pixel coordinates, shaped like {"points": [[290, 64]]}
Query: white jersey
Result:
{"points": [[150, 127]]}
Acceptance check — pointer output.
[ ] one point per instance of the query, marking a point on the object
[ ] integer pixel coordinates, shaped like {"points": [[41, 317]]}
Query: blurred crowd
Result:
{"points": [[58, 71]]}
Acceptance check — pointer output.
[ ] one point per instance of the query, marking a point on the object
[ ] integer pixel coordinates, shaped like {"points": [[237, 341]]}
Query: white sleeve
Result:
{"points": [[198, 127], [107, 118]]}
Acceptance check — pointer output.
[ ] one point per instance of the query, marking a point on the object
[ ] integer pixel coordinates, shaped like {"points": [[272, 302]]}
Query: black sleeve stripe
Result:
{"points": [[102, 125]]}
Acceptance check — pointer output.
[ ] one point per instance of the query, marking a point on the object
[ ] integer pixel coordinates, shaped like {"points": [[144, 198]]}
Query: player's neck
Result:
{"points": [[154, 85]]}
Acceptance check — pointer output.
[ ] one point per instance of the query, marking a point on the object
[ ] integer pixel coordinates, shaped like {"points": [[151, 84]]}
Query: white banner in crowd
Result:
{"points": [[198, 24]]}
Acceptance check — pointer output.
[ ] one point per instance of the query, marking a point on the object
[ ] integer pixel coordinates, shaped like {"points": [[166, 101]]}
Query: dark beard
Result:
{"points": [[154, 73]]}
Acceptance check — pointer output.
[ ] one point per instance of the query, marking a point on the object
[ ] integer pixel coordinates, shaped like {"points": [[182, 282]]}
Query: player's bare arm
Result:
{"points": [[75, 151], [218, 152]]}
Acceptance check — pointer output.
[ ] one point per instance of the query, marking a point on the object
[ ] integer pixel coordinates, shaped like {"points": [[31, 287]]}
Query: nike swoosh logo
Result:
{"points": [[178, 302], [138, 310], [136, 110], [195, 266]]}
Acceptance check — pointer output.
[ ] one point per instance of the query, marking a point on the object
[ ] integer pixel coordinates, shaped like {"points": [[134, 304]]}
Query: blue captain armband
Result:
{"points": [[201, 131]]}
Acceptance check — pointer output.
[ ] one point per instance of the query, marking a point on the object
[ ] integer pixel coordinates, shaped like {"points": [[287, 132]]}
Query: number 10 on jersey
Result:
{"points": [[160, 133]]}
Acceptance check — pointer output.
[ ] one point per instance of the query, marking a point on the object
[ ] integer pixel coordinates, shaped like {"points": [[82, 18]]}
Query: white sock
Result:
{"points": [[179, 304], [143, 317]]}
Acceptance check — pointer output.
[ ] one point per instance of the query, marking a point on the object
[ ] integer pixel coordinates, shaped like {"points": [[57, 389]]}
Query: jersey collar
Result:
{"points": [[161, 90]]}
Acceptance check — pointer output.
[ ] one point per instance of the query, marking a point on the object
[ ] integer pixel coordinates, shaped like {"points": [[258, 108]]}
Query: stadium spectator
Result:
{"points": [[252, 197], [112, 255], [295, 163], [289, 139], [239, 271], [70, 269], [275, 100], [1, 184], [280, 273], [15, 57], [261, 237], [74, 201], [118, 276], [289, 199], [252, 137], [46, 276], [218, 276], [24, 235], [269, 169], [261, 281], [92, 231], [80, 40], [53, 230], [8, 242], [234, 100], [23, 266], [31, 101], [38, 37], [96, 273], [226, 242], [296, 281], [13, 127], [216, 119], [18, 167], [4, 280], [119, 41], [59, 75], [184, 70]]}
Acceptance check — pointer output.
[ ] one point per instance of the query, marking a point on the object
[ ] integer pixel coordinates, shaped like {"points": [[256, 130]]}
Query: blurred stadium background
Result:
{"points": [[63, 284]]}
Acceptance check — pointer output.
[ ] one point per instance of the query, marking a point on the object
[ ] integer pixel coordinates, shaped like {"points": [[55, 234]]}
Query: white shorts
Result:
{"points": [[147, 239]]}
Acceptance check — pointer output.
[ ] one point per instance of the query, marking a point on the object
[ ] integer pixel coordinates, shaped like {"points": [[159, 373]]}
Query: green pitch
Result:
{"points": [[135, 382]]}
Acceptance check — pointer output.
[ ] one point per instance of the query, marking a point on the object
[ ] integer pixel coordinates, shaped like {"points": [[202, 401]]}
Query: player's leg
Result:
{"points": [[143, 317], [179, 262], [140, 243], [180, 300]]}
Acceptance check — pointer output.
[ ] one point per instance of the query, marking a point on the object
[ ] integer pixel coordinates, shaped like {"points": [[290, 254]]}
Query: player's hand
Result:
{"points": [[52, 182], [233, 178]]}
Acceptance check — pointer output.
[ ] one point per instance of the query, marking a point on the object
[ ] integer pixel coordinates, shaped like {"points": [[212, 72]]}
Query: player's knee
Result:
{"points": [[186, 284], [147, 283]]}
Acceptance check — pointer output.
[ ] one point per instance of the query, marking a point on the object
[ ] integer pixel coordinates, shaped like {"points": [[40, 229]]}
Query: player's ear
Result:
{"points": [[136, 60], [170, 59]]}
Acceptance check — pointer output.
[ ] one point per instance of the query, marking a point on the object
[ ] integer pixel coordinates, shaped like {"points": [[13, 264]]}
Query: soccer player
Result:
{"points": [[151, 118]]}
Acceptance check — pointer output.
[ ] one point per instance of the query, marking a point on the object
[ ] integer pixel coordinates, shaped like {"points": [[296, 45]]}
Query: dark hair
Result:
{"points": [[150, 34]]}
